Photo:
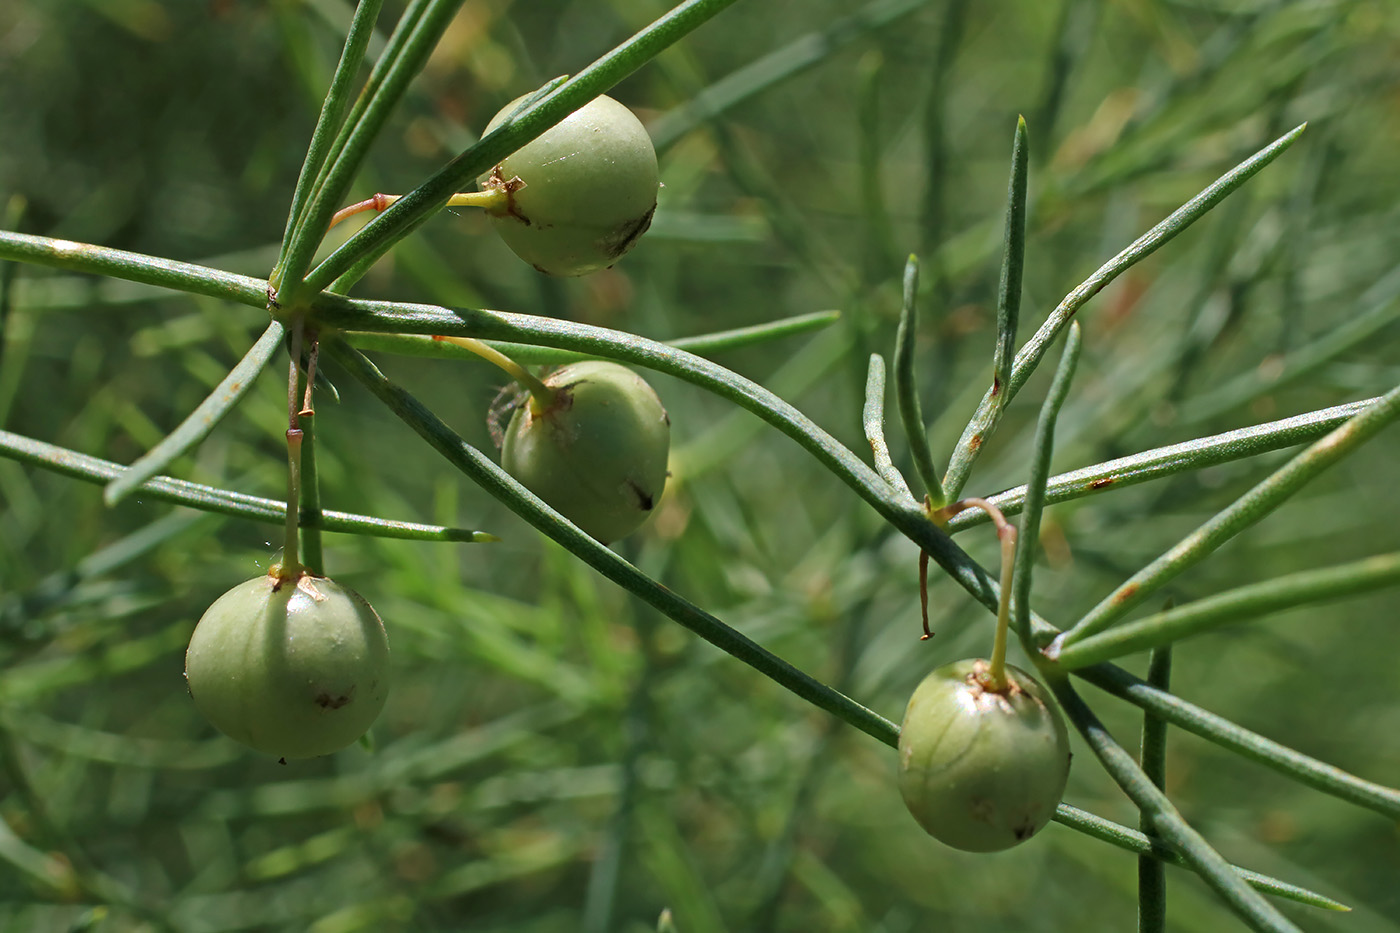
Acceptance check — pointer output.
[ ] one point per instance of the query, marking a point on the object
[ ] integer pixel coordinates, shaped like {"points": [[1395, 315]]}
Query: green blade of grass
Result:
{"points": [[201, 421], [1378, 310], [1230, 521]]}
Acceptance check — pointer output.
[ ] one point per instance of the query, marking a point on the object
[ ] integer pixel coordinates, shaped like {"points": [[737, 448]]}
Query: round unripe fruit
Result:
{"points": [[982, 770], [293, 668], [581, 194], [597, 454]]}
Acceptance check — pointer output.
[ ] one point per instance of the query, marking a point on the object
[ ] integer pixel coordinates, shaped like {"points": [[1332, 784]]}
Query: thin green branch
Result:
{"points": [[134, 267], [1234, 606], [376, 237], [1133, 841], [222, 501], [873, 420], [1013, 260], [333, 107], [1293, 764], [529, 355], [777, 66], [1152, 880], [1230, 521], [490, 477], [1028, 537], [206, 415], [1030, 355], [1169, 461], [906, 386], [1248, 904]]}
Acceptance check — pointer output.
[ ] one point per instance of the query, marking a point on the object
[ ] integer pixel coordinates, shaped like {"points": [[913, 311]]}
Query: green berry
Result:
{"points": [[581, 194], [982, 770], [293, 668], [597, 453]]}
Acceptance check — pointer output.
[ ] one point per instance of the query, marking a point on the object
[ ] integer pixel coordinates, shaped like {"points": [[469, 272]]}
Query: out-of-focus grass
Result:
{"points": [[554, 756]]}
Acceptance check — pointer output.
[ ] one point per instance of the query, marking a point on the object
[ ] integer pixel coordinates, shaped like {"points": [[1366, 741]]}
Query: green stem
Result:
{"points": [[1152, 880], [1132, 841], [134, 267], [338, 97], [1030, 355], [1029, 540], [1248, 904], [906, 387], [337, 312], [1324, 585], [1250, 745], [1230, 521], [541, 396], [873, 421], [985, 419], [291, 551], [1170, 461], [90, 469], [490, 477], [311, 551]]}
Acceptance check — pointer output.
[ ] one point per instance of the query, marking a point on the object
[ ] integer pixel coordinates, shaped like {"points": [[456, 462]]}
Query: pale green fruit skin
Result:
{"points": [[598, 455], [982, 771], [589, 189], [293, 670]]}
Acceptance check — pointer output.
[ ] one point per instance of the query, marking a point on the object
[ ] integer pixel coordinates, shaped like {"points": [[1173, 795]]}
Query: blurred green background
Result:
{"points": [[555, 755]]}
